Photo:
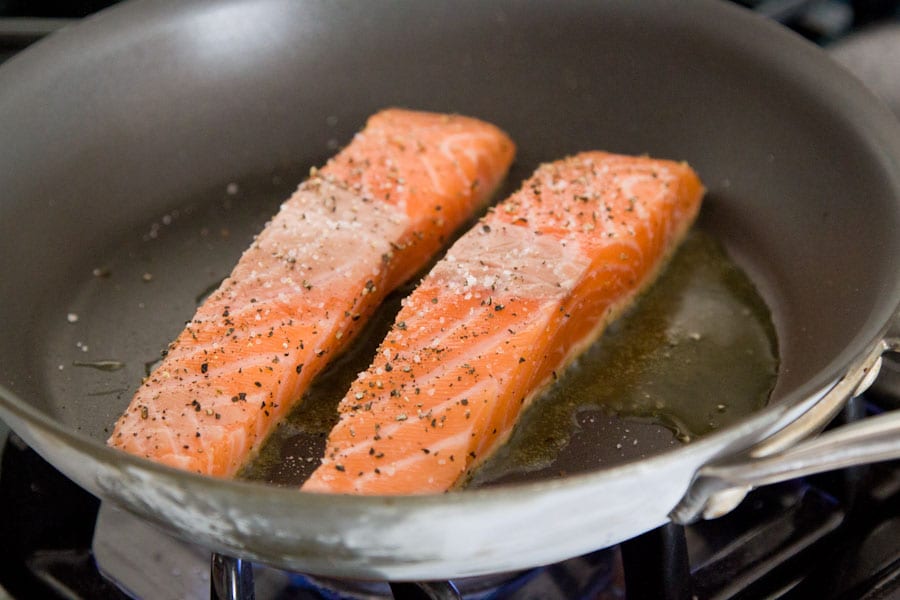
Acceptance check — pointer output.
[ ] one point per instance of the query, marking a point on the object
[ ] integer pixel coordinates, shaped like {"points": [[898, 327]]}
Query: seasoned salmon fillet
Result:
{"points": [[513, 302], [373, 216]]}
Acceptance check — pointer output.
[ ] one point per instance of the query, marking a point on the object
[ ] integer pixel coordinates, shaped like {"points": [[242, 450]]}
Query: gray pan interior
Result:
{"points": [[151, 108]]}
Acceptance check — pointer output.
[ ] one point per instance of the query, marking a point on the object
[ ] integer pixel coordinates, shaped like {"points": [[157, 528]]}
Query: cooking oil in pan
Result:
{"points": [[695, 353], [132, 295], [292, 451]]}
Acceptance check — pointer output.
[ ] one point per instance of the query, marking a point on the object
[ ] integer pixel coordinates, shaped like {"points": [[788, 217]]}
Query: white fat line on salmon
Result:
{"points": [[267, 296], [394, 427], [611, 267], [629, 185], [209, 437], [164, 438], [401, 465], [177, 460], [351, 213], [263, 327], [156, 419], [448, 149], [483, 345], [389, 469], [212, 434], [626, 184], [318, 268], [208, 400], [236, 439], [447, 337], [433, 176], [468, 149], [511, 257], [326, 209], [627, 243], [487, 443], [247, 364]]}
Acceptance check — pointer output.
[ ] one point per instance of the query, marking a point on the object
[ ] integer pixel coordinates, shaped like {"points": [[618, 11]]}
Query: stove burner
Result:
{"points": [[147, 563]]}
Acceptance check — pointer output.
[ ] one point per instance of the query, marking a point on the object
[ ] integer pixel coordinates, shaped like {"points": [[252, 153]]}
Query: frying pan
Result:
{"points": [[113, 129]]}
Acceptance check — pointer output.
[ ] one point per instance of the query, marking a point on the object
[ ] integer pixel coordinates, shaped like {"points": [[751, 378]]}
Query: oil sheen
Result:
{"points": [[696, 352]]}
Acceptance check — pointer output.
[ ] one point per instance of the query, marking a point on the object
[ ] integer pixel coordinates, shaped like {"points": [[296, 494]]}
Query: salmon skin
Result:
{"points": [[373, 216], [513, 302]]}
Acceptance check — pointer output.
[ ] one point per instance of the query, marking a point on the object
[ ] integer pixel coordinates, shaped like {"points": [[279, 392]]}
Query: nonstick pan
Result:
{"points": [[115, 130]]}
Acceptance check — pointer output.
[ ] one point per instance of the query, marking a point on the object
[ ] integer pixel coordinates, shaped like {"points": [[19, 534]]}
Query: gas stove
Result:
{"points": [[833, 536]]}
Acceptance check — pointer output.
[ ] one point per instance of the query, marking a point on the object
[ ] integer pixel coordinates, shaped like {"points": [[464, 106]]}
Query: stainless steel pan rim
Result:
{"points": [[442, 523]]}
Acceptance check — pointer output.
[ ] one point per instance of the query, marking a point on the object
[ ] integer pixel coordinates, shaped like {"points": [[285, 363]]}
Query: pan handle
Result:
{"points": [[718, 488]]}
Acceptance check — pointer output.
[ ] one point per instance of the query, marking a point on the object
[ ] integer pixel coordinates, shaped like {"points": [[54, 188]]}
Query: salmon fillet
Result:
{"points": [[513, 302], [363, 224]]}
